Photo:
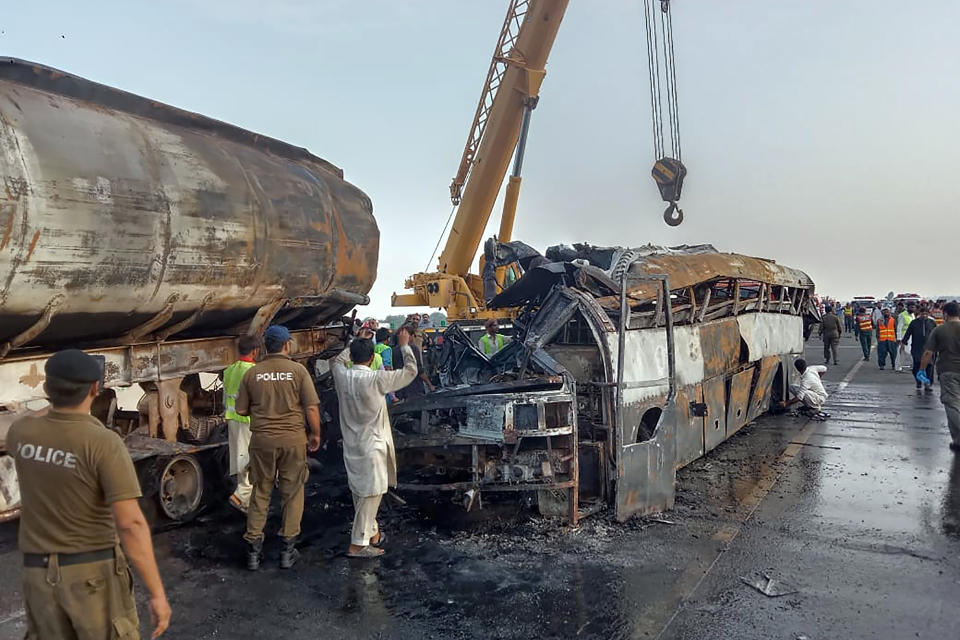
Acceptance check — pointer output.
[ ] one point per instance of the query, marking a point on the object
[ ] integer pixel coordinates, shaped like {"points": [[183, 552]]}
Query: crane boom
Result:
{"points": [[509, 93], [514, 79]]}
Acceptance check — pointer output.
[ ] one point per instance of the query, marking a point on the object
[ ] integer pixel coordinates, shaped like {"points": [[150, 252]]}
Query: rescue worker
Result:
{"points": [[809, 390], [917, 335], [865, 328], [368, 452], [937, 313], [491, 342], [830, 330], [238, 426], [276, 394], [887, 340], [848, 323], [905, 315], [944, 343], [79, 493]]}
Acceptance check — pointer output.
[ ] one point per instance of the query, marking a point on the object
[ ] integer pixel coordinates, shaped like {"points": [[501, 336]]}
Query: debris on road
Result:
{"points": [[768, 586]]}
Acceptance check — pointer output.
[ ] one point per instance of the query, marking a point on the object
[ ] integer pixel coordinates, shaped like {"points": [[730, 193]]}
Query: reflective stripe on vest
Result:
{"points": [[376, 364], [232, 376], [488, 346], [937, 315], [865, 322], [887, 330]]}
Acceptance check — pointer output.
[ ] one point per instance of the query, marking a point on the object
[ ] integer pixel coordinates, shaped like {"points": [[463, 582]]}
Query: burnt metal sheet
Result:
{"points": [[142, 447], [152, 217], [715, 422], [738, 405], [646, 360], [720, 346], [760, 398], [685, 270], [689, 426], [768, 334], [485, 420], [647, 471]]}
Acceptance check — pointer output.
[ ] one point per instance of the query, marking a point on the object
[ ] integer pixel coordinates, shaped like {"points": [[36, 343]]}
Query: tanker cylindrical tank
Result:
{"points": [[120, 216]]}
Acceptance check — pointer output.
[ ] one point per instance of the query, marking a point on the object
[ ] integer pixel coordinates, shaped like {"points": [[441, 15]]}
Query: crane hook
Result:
{"points": [[673, 215]]}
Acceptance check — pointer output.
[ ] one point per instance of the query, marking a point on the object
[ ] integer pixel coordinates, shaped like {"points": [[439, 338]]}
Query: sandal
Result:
{"points": [[366, 552], [382, 540]]}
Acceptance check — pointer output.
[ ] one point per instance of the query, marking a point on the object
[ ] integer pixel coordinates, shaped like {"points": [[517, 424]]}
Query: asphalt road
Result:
{"points": [[851, 525]]}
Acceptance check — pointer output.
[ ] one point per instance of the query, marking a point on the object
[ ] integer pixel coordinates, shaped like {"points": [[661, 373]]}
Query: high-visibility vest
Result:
{"points": [[887, 330], [376, 364], [379, 348], [232, 377], [487, 346], [865, 322], [848, 311], [903, 321], [937, 315]]}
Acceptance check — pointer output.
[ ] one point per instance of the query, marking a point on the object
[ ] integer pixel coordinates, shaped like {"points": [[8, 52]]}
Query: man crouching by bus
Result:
{"points": [[809, 390]]}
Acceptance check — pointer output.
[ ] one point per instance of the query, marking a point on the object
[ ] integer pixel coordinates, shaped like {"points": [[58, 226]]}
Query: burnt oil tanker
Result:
{"points": [[121, 217], [152, 237]]}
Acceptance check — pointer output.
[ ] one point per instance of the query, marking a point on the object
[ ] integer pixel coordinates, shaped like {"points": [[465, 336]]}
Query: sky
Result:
{"points": [[821, 134]]}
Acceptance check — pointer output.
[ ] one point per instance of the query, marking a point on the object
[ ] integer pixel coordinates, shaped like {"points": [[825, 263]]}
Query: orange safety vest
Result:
{"points": [[887, 330], [865, 321], [937, 316]]}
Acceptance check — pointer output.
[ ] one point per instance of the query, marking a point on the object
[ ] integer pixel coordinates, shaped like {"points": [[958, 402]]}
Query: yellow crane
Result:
{"points": [[499, 129]]}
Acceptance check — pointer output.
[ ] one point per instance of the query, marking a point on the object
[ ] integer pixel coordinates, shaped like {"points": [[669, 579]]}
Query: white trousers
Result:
{"points": [[238, 437], [807, 397], [365, 521]]}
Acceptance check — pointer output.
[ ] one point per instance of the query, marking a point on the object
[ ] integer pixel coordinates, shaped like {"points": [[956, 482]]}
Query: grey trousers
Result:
{"points": [[830, 345], [950, 397]]}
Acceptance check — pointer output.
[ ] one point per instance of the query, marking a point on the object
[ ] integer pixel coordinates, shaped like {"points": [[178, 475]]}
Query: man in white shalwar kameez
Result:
{"points": [[368, 452]]}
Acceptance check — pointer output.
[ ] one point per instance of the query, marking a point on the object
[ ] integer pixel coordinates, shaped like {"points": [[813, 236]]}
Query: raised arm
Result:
{"points": [[389, 381], [341, 359]]}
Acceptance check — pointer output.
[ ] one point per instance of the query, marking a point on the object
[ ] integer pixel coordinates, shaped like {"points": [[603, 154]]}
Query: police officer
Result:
{"points": [[79, 491], [276, 394]]}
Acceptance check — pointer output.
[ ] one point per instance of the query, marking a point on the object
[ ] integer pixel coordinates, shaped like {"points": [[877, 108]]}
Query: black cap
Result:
{"points": [[73, 365]]}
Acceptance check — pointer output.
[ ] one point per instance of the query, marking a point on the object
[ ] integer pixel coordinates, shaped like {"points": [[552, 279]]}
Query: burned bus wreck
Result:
{"points": [[625, 365]]}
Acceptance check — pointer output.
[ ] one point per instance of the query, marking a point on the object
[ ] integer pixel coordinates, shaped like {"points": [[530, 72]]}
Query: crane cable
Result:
{"points": [[668, 170], [673, 103], [440, 239]]}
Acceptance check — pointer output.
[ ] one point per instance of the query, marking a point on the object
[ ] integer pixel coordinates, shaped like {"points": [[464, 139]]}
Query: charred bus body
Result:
{"points": [[152, 237], [626, 364]]}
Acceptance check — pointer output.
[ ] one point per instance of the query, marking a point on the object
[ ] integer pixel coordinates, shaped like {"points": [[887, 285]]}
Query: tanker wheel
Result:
{"points": [[180, 488]]}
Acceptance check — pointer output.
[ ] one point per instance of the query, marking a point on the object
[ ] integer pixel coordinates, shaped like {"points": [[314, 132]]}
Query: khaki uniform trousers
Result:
{"points": [[288, 465], [90, 601], [950, 397]]}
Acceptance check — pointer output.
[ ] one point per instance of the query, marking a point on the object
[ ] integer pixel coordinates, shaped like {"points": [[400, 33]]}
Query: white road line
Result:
{"points": [[16, 615], [728, 533]]}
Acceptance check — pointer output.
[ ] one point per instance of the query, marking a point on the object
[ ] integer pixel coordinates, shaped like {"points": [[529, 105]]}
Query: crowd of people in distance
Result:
{"points": [[931, 332]]}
